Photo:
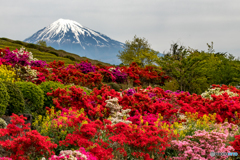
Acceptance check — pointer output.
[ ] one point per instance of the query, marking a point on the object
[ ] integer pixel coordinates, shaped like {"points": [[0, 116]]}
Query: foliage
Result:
{"points": [[114, 86], [70, 57], [16, 102], [4, 98], [33, 96], [171, 85], [31, 45], [189, 67], [138, 51], [3, 123], [47, 87], [227, 71], [42, 43]]}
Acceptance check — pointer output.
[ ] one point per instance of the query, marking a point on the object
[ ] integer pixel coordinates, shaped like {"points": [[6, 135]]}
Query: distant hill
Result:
{"points": [[73, 37], [48, 54]]}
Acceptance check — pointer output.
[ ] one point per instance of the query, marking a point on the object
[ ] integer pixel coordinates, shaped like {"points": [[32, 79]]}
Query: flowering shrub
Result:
{"points": [[201, 144], [236, 143], [38, 63], [147, 74], [85, 67], [54, 125], [16, 57], [92, 104], [24, 143], [7, 74], [107, 75], [80, 154], [191, 122], [137, 123], [21, 60], [216, 91], [86, 134], [145, 141], [130, 91], [70, 75], [148, 119], [117, 114], [121, 77]]}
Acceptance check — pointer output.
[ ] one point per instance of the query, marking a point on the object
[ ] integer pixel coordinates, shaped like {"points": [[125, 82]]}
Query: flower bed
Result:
{"points": [[149, 124]]}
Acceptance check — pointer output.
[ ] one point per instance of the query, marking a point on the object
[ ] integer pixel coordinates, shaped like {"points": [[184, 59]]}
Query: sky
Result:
{"points": [[191, 23]]}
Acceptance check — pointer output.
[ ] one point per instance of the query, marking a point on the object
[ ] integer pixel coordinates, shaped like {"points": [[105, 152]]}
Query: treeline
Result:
{"points": [[190, 69]]}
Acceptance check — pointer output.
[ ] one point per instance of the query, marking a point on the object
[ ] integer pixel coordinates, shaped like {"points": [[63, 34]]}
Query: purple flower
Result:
{"points": [[130, 92], [39, 63], [151, 94], [120, 76], [85, 67]]}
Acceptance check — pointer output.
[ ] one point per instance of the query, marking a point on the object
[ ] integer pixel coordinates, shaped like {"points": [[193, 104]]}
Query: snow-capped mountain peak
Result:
{"points": [[62, 26], [73, 37]]}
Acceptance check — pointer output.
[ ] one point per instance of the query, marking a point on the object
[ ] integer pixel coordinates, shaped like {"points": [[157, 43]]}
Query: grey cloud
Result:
{"points": [[162, 22]]}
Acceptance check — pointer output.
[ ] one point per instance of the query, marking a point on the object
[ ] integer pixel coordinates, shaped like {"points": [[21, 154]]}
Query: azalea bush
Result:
{"points": [[21, 61], [55, 126], [85, 67], [216, 91], [201, 144], [24, 144], [80, 154]]}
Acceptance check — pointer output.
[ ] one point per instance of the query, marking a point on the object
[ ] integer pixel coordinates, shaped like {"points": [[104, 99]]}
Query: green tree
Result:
{"points": [[189, 67], [42, 43], [138, 51], [228, 70]]}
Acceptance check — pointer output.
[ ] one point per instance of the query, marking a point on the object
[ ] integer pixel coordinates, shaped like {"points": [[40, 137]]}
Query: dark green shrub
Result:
{"points": [[31, 45], [4, 98], [3, 123], [114, 86], [46, 87], [16, 102], [52, 52], [51, 48], [70, 57], [5, 39], [19, 42], [42, 49], [33, 97]]}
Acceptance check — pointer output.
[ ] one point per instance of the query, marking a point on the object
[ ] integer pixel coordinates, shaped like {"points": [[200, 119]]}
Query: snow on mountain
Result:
{"points": [[75, 38]]}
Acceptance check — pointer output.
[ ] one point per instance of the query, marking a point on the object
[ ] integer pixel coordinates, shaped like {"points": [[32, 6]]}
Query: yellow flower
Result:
{"points": [[7, 74]]}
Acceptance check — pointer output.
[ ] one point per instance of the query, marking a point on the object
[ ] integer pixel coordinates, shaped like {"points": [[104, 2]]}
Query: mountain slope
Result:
{"points": [[48, 54], [73, 37]]}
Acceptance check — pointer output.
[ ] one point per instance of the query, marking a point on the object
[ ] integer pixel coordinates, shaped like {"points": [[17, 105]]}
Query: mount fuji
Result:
{"points": [[73, 37]]}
